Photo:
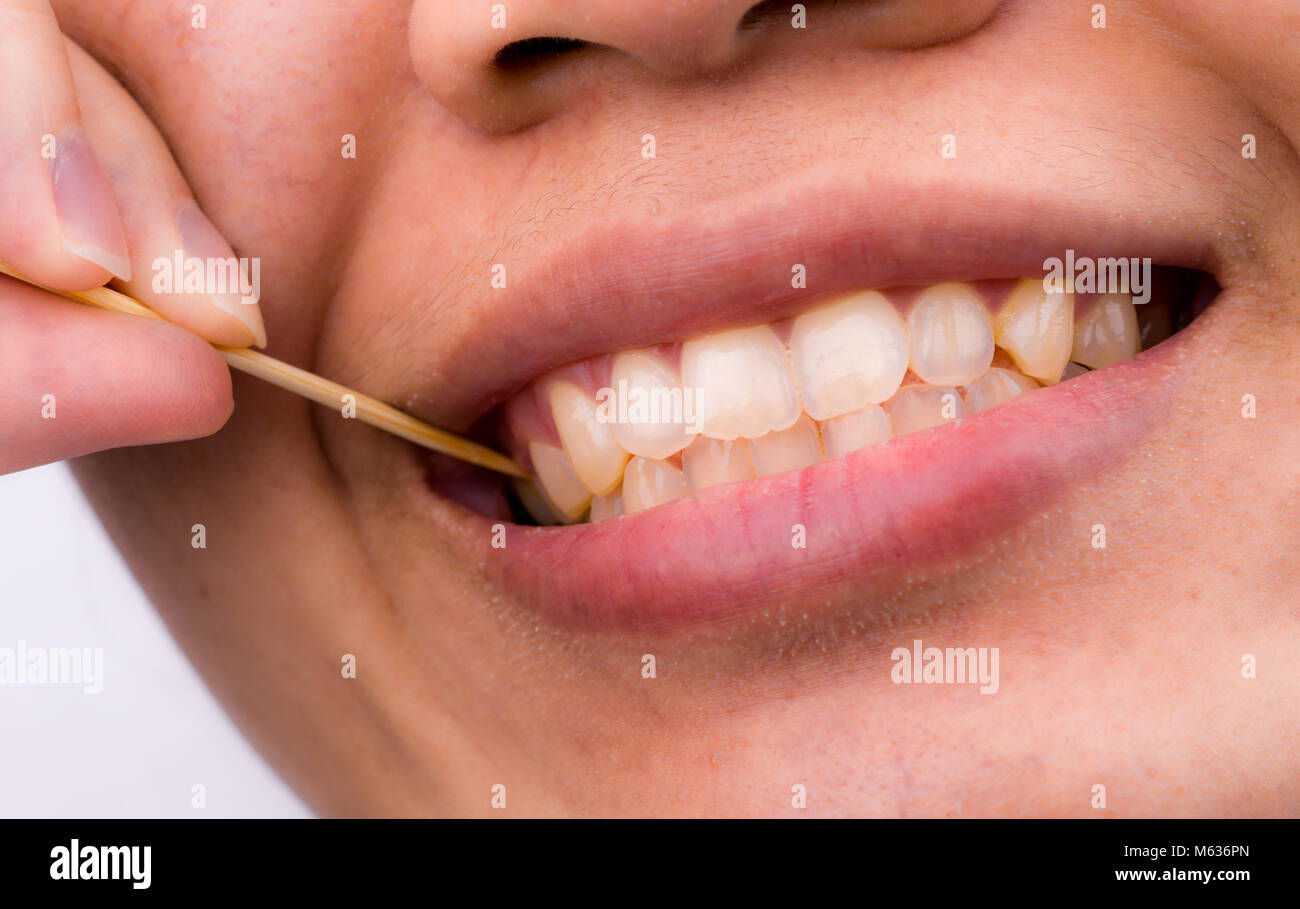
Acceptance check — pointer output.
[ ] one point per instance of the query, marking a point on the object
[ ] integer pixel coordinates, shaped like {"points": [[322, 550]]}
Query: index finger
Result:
{"points": [[59, 222]]}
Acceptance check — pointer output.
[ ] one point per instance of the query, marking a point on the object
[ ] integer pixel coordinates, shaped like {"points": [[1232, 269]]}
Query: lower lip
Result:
{"points": [[871, 520]]}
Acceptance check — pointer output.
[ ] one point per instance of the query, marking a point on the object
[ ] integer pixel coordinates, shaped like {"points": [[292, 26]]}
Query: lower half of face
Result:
{"points": [[911, 416]]}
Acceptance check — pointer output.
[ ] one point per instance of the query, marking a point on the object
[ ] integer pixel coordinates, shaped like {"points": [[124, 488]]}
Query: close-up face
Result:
{"points": [[976, 490]]}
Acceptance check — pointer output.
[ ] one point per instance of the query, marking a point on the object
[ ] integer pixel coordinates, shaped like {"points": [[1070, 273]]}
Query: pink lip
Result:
{"points": [[871, 519], [628, 281]]}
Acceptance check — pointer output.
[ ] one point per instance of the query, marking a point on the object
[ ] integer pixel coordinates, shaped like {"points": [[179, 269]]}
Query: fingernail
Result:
{"points": [[243, 280], [88, 215]]}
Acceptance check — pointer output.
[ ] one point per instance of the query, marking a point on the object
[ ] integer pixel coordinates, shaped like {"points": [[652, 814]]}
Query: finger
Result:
{"points": [[78, 379], [182, 267], [59, 223]]}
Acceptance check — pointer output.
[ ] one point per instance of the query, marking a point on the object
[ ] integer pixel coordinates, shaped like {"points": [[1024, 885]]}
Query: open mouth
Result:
{"points": [[833, 454], [618, 434], [826, 448]]}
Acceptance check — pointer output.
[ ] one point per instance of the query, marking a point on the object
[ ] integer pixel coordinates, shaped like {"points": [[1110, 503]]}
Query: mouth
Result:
{"points": [[616, 435], [821, 443]]}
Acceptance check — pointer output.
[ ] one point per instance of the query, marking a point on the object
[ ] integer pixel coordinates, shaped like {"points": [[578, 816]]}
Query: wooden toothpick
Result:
{"points": [[369, 410]]}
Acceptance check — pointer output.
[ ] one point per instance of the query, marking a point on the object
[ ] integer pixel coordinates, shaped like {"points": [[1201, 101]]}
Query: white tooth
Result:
{"points": [[648, 483], [842, 435], [919, 407], [787, 449], [651, 380], [1073, 371], [711, 462], [596, 456], [561, 486], [952, 341], [1037, 329], [849, 354], [1108, 333], [744, 383], [996, 387], [607, 506]]}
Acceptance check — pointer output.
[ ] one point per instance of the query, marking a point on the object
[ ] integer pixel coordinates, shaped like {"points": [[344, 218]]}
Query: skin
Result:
{"points": [[1119, 668]]}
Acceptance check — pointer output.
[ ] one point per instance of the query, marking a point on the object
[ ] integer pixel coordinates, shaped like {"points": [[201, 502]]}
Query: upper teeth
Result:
{"points": [[773, 398], [952, 341], [1037, 329], [647, 369], [848, 355], [1107, 333], [746, 386], [596, 456]]}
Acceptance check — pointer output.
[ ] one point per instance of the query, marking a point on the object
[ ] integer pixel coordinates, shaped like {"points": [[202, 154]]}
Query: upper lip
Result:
{"points": [[634, 279]]}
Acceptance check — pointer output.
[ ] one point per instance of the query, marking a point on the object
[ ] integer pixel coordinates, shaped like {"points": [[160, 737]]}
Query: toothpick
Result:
{"points": [[331, 394]]}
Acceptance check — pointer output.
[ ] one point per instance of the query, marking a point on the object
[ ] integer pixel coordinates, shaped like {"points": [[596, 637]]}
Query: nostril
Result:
{"points": [[530, 52]]}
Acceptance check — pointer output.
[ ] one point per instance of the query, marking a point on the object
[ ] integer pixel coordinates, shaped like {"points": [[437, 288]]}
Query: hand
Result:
{"points": [[90, 193]]}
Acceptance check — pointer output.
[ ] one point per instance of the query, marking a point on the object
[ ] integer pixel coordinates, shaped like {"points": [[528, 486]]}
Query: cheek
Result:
{"points": [[258, 106]]}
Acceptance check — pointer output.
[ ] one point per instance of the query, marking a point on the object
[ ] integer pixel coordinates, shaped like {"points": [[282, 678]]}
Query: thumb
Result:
{"points": [[79, 380]]}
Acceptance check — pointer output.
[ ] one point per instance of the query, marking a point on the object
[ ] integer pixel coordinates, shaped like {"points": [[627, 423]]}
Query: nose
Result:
{"points": [[505, 65]]}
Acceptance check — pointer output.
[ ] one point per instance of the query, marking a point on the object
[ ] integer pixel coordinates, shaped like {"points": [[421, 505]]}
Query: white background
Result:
{"points": [[137, 748]]}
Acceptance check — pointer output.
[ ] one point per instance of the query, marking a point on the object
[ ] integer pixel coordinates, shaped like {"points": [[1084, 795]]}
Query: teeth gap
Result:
{"points": [[1179, 296]]}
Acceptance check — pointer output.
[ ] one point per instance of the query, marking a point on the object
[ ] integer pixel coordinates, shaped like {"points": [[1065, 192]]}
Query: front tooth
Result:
{"points": [[607, 506], [648, 483], [564, 491], [595, 454], [849, 355], [787, 449], [1108, 333], [711, 462], [1073, 371], [651, 378], [919, 407], [996, 387], [743, 381], [952, 342], [842, 435], [1037, 329]]}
